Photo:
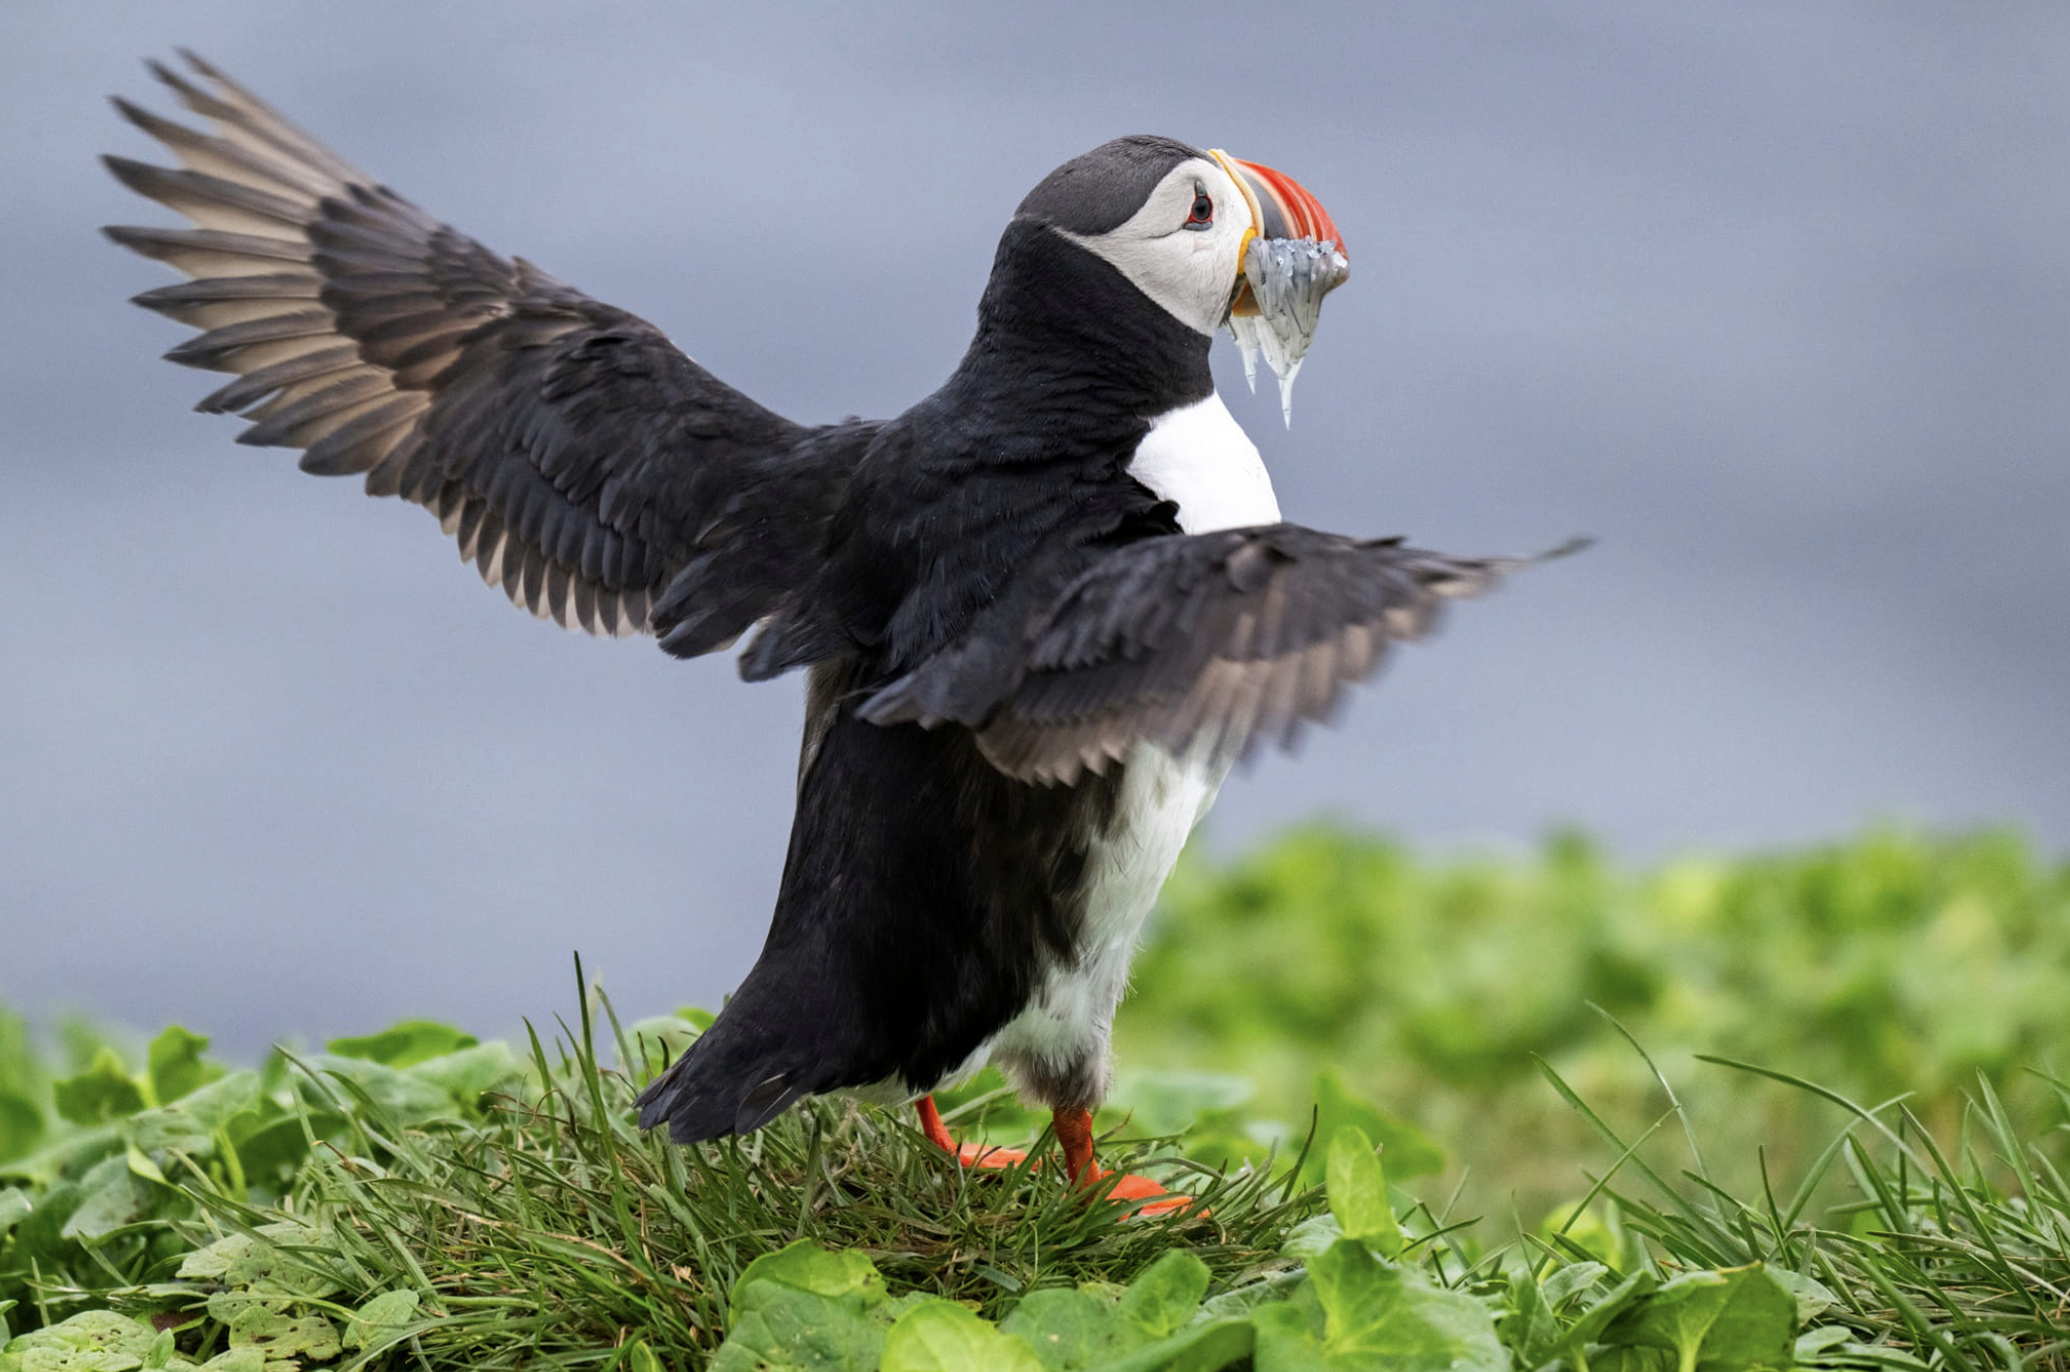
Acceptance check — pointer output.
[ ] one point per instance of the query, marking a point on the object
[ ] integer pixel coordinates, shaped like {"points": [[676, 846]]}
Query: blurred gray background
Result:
{"points": [[1773, 299]]}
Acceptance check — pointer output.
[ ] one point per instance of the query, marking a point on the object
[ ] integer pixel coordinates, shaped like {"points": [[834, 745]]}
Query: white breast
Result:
{"points": [[1199, 457], [1065, 1029]]}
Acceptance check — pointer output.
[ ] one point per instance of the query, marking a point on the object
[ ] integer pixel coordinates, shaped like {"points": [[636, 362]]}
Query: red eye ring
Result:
{"points": [[1203, 212]]}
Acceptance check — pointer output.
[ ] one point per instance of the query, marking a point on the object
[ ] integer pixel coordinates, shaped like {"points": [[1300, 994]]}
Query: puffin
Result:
{"points": [[1042, 612]]}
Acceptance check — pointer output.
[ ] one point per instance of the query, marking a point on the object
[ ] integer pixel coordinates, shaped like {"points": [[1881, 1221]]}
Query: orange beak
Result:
{"points": [[1281, 207]]}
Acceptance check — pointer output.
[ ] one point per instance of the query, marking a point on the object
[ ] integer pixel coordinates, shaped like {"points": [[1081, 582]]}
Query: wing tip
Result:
{"points": [[199, 63], [1579, 543], [134, 113], [136, 176]]}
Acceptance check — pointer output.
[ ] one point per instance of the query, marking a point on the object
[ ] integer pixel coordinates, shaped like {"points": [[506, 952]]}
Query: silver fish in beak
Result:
{"points": [[1292, 259]]}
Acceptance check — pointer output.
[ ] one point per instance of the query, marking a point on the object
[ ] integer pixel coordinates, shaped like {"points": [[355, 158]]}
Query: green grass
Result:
{"points": [[556, 1223], [1889, 965], [417, 1199]]}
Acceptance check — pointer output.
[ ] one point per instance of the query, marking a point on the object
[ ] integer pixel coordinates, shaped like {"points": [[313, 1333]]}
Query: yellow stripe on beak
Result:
{"points": [[1250, 201]]}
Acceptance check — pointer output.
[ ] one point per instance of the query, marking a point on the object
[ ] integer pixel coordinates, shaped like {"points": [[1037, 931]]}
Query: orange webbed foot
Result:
{"points": [[1132, 1187], [1074, 1134], [969, 1154], [984, 1155]]}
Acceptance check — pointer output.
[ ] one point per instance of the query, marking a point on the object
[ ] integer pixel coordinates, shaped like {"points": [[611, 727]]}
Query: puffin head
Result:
{"points": [[1210, 238]]}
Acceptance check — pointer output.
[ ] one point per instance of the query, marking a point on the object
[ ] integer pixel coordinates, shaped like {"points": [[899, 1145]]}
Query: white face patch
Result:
{"points": [[1191, 272]]}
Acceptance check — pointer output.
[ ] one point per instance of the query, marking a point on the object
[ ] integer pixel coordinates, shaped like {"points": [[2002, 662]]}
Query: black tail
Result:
{"points": [[741, 1073], [709, 1093]]}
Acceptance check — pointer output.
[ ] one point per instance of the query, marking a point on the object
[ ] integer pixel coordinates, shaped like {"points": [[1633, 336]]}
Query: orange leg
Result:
{"points": [[969, 1154], [1074, 1134], [932, 1126]]}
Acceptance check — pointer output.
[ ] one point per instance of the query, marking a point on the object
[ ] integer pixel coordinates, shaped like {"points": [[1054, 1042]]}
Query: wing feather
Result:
{"points": [[1203, 645], [584, 464]]}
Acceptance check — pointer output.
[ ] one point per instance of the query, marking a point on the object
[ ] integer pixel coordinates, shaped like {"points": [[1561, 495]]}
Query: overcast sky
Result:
{"points": [[1773, 299]]}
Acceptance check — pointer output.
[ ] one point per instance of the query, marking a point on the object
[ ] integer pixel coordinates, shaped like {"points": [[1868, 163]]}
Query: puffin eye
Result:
{"points": [[1203, 213]]}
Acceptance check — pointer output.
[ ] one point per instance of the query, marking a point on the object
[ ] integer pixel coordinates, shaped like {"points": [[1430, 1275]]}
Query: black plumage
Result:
{"points": [[1207, 643], [580, 459], [997, 613]]}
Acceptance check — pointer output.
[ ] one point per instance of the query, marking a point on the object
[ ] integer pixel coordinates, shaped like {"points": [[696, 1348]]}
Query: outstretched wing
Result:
{"points": [[582, 462], [1207, 642]]}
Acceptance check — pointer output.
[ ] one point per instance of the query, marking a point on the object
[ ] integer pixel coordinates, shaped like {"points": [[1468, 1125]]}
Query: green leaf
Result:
{"points": [[1070, 1329], [1238, 1302], [1814, 1298], [39, 1233], [174, 1065], [271, 1149], [941, 1336], [1165, 1295], [409, 1098], [1206, 1347], [1375, 1314], [806, 1308], [1758, 1326], [1357, 1188], [189, 1124], [104, 1091], [1162, 1103], [115, 1198], [404, 1044], [1594, 1320], [466, 1074], [1528, 1328], [1731, 1320], [1409, 1151], [640, 1358], [1812, 1342], [1576, 1277], [15, 1206], [284, 1336], [164, 1352], [1076, 1331], [215, 1261], [65, 1157], [1289, 1335], [21, 1124], [381, 1320], [261, 1264], [140, 1165], [1149, 1324], [1311, 1238], [804, 1265], [775, 1325], [93, 1341]]}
